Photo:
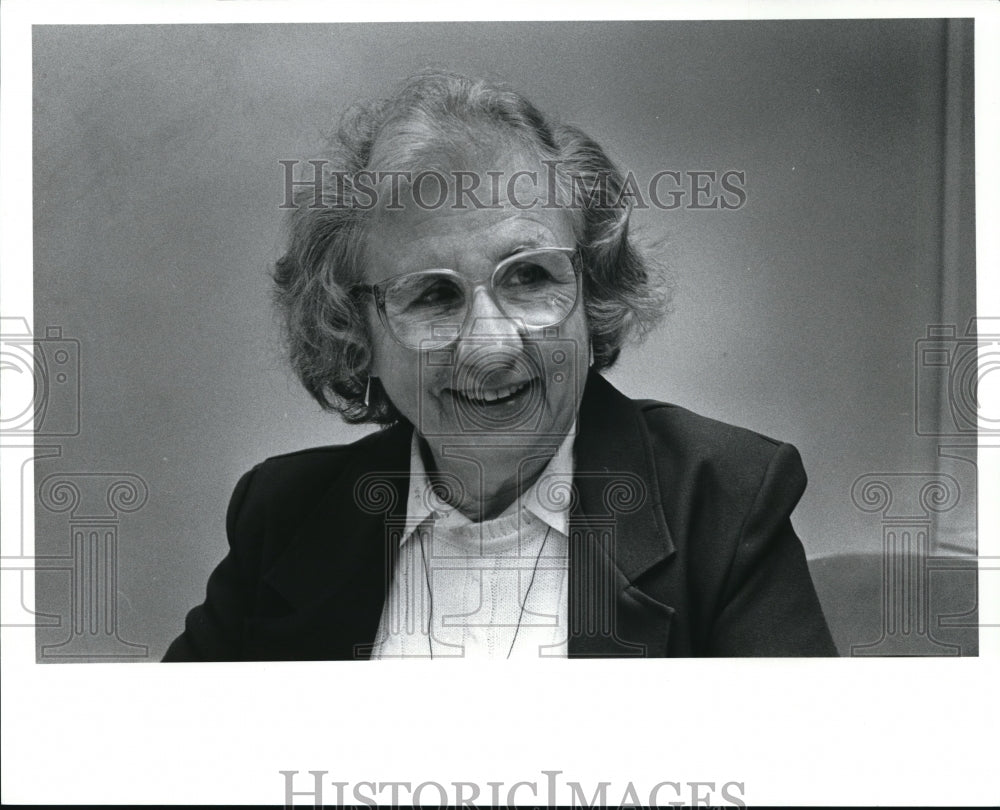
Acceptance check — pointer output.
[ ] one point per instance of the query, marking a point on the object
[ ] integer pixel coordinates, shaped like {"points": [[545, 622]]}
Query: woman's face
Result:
{"points": [[501, 388]]}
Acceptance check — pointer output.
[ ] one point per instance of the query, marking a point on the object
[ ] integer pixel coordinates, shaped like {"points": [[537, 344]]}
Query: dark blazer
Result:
{"points": [[680, 545]]}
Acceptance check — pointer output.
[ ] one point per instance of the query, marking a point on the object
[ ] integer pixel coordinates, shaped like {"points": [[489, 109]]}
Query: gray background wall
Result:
{"points": [[156, 197]]}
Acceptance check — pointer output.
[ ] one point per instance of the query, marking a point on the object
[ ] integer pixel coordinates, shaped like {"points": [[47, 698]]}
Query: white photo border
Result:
{"points": [[877, 731]]}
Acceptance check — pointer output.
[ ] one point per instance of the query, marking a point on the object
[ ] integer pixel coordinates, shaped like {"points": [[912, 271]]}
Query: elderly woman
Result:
{"points": [[462, 280]]}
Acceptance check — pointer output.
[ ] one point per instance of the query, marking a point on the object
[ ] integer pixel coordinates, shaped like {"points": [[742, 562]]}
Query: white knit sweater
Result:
{"points": [[495, 589]]}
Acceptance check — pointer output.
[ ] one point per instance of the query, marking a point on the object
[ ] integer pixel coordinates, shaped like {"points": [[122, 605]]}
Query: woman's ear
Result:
{"points": [[373, 328]]}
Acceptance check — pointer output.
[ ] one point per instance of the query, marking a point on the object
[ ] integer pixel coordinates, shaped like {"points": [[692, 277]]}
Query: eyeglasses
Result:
{"points": [[428, 309]]}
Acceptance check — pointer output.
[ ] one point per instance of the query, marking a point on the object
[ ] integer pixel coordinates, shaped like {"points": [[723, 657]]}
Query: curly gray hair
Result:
{"points": [[433, 114]]}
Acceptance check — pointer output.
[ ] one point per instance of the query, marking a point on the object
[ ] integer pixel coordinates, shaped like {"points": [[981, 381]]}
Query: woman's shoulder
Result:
{"points": [[683, 439], [673, 430], [299, 476], [678, 422]]}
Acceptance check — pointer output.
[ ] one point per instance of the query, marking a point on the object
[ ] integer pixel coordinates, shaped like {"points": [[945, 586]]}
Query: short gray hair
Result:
{"points": [[437, 113]]}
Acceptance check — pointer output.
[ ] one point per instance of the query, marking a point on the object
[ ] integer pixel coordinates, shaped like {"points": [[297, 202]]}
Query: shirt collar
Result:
{"points": [[548, 499]]}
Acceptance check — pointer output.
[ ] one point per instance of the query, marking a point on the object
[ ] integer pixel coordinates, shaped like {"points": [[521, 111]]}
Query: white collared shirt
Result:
{"points": [[495, 589]]}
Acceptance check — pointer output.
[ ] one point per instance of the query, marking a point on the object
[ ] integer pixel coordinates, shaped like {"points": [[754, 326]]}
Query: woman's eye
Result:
{"points": [[436, 295], [526, 274]]}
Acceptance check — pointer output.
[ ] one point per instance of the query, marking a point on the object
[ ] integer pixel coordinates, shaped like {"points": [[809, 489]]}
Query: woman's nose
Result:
{"points": [[487, 320]]}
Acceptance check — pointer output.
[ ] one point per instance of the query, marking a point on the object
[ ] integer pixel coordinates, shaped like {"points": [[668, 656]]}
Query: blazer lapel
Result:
{"points": [[335, 571], [617, 532]]}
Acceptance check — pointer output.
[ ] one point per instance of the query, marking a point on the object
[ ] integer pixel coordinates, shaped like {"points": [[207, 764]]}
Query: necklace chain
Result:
{"points": [[430, 592]]}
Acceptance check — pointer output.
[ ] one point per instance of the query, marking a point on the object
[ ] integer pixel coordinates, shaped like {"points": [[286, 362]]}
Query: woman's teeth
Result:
{"points": [[497, 393]]}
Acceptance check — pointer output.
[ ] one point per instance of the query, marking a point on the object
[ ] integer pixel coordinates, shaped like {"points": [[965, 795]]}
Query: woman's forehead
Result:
{"points": [[467, 240]]}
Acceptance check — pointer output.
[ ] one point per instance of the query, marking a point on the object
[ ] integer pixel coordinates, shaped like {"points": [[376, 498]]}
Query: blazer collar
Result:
{"points": [[345, 538], [343, 552], [616, 477], [617, 531]]}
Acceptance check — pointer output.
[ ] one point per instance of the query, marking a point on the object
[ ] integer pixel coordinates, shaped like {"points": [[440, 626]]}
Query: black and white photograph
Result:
{"points": [[343, 357]]}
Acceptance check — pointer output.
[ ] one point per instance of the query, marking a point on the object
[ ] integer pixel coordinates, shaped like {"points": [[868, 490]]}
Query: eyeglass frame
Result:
{"points": [[377, 291]]}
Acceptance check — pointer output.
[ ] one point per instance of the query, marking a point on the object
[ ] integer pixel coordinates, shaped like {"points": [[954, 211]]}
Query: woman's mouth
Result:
{"points": [[494, 396]]}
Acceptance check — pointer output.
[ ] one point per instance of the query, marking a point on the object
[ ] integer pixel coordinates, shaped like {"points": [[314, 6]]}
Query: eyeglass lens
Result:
{"points": [[538, 289]]}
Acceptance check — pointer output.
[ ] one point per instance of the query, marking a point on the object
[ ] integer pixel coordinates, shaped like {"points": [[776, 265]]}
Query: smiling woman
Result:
{"points": [[515, 504], [519, 310]]}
